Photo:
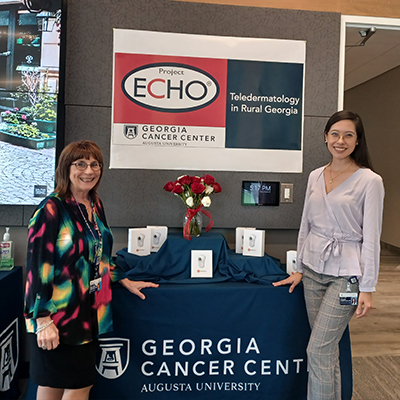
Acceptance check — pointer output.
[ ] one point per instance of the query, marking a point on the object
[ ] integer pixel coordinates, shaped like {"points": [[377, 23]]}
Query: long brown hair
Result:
{"points": [[360, 155], [75, 151]]}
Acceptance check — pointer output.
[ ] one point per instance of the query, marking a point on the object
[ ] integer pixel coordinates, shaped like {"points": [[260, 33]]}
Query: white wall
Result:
{"points": [[377, 102]]}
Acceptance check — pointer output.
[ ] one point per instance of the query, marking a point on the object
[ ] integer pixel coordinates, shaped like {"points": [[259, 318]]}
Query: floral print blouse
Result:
{"points": [[60, 265]]}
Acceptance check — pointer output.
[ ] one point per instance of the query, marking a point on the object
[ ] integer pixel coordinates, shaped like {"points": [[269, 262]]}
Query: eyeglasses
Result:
{"points": [[81, 165], [345, 135]]}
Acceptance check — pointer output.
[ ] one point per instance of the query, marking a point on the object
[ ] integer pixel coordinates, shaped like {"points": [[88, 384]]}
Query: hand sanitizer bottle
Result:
{"points": [[6, 252]]}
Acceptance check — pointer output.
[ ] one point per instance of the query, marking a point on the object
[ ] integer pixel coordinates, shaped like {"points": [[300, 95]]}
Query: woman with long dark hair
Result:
{"points": [[338, 248]]}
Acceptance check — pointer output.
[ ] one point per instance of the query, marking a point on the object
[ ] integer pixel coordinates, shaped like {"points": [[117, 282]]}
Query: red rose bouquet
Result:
{"points": [[195, 193]]}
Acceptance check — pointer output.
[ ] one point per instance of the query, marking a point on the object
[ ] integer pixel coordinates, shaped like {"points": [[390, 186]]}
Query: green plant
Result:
{"points": [[26, 110], [44, 110], [13, 116], [27, 131], [35, 90]]}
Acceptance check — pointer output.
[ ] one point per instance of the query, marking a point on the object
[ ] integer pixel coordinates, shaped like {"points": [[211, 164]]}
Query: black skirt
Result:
{"points": [[66, 367]]}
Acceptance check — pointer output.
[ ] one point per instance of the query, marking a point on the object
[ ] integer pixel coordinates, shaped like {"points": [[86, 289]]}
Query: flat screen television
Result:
{"points": [[31, 98], [258, 193]]}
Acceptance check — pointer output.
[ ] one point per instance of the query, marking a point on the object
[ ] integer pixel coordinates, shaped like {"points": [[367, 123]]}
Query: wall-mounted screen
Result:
{"points": [[30, 43], [257, 193]]}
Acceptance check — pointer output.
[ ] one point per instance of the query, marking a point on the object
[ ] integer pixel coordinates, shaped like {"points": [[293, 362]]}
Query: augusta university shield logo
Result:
{"points": [[9, 354], [131, 131], [113, 357]]}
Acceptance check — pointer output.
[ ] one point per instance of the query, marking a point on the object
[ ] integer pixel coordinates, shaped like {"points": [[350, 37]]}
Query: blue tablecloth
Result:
{"points": [[219, 338], [171, 264]]}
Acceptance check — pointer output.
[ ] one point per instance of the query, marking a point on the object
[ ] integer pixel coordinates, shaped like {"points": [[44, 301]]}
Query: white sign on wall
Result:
{"points": [[206, 102]]}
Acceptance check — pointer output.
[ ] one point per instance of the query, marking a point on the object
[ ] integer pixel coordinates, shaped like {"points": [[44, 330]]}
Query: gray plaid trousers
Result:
{"points": [[328, 320]]}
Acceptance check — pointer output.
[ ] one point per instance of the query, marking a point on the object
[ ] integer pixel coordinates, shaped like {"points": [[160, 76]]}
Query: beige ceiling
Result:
{"points": [[380, 53]]}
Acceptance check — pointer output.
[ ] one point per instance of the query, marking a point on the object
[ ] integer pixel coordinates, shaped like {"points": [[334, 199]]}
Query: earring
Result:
{"points": [[357, 144]]}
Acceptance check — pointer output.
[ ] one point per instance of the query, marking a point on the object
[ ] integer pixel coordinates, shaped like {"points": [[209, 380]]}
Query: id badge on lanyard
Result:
{"points": [[95, 284], [349, 298]]}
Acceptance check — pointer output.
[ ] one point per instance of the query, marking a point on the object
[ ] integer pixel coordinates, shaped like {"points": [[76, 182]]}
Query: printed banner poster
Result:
{"points": [[207, 103]]}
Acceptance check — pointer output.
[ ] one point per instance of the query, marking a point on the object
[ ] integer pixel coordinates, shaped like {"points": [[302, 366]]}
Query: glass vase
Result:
{"points": [[196, 224]]}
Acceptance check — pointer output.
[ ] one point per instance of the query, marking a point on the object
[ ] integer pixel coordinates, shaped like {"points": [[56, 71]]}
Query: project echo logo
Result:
{"points": [[170, 87]]}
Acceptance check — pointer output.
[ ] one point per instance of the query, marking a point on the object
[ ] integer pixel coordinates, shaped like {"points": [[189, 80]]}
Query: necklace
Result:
{"points": [[330, 172]]}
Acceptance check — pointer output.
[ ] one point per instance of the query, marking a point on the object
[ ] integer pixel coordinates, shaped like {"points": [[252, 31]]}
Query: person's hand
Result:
{"points": [[135, 287], [293, 281], [364, 304], [48, 338]]}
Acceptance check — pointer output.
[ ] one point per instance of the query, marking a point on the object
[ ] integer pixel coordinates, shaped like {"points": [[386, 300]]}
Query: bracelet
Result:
{"points": [[43, 327]]}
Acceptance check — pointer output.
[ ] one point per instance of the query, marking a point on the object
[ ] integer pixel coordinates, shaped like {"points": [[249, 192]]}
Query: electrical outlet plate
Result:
{"points": [[286, 192]]}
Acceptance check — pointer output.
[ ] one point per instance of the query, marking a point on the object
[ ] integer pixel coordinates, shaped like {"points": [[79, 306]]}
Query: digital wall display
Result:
{"points": [[255, 193], [29, 97]]}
